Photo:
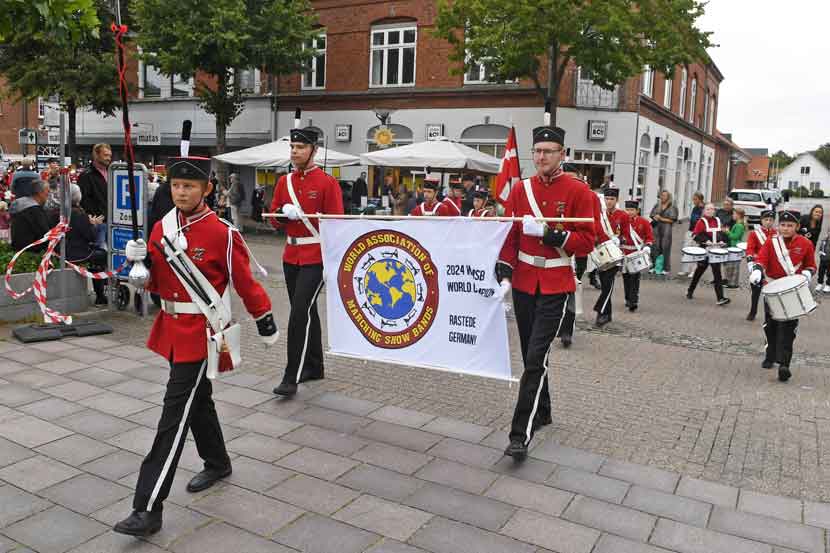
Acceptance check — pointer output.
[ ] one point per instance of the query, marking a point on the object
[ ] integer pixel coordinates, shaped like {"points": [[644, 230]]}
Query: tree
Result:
{"points": [[218, 37], [78, 68], [63, 18], [780, 159], [537, 39], [823, 154]]}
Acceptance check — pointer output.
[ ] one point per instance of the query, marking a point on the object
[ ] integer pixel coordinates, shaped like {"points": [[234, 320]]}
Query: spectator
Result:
{"points": [[257, 203], [80, 242], [725, 214], [236, 195], [664, 215], [810, 224], [785, 196], [732, 269], [210, 200], [359, 189], [28, 218], [161, 204], [401, 203], [4, 222], [94, 190], [694, 216], [467, 199], [824, 266]]}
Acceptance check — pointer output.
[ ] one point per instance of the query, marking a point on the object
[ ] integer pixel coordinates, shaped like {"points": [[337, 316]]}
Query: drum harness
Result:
{"points": [[539, 261], [300, 240]]}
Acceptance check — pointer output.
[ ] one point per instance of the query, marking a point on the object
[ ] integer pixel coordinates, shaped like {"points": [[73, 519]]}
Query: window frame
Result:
{"points": [[145, 67], [313, 70], [401, 47], [684, 83], [692, 100], [648, 82], [668, 89]]}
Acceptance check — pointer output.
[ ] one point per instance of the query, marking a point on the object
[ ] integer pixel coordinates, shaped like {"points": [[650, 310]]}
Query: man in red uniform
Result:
{"points": [[305, 190], [430, 206], [480, 207], [754, 242], [618, 221], [179, 335], [454, 200], [536, 258], [639, 236], [787, 254]]}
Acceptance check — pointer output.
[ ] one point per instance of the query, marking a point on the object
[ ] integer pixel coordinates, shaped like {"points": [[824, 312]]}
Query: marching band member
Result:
{"points": [[618, 220], [639, 236], [480, 207], [430, 206], [454, 199], [754, 242], [536, 258], [306, 190], [708, 232], [786, 254], [219, 255]]}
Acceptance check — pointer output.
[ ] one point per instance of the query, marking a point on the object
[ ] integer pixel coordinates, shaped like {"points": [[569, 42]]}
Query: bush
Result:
{"points": [[26, 263], [817, 193]]}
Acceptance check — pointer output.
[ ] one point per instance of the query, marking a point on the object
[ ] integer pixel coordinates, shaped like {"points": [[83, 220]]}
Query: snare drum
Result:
{"points": [[789, 297], [735, 253], [637, 262], [606, 255], [693, 254], [742, 245], [717, 255]]}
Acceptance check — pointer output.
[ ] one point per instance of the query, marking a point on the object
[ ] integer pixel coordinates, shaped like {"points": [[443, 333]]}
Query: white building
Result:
{"points": [[807, 171]]}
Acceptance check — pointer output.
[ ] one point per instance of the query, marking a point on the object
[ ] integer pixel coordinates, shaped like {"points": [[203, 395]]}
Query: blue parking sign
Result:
{"points": [[120, 237], [122, 202], [117, 260]]}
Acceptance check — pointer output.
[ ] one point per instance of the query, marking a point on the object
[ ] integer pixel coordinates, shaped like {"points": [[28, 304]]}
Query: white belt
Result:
{"points": [[301, 240], [543, 262], [631, 248], [180, 307]]}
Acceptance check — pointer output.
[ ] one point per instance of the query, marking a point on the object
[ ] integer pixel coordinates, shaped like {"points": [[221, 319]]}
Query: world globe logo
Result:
{"points": [[390, 288]]}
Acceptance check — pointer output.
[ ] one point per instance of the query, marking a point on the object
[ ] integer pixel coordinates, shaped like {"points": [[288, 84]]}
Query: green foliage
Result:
{"points": [[817, 193], [26, 263], [801, 192], [191, 36], [823, 154], [59, 19], [780, 159]]}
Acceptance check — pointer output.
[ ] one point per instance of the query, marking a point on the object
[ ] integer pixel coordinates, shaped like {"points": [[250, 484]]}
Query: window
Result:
{"points": [[648, 81], [678, 169], [247, 80], [709, 174], [315, 76], [683, 78], [495, 150], [792, 185], [662, 176], [589, 95], [711, 128], [815, 185], [693, 101], [706, 111], [180, 86], [393, 55], [805, 170], [41, 108], [667, 92], [152, 81], [642, 175]]}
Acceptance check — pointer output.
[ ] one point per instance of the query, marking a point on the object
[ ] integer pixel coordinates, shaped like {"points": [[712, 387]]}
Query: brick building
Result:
{"points": [[15, 115], [731, 162]]}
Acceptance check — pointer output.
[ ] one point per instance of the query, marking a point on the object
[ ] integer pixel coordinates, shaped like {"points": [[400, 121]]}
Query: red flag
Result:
{"points": [[509, 173]]}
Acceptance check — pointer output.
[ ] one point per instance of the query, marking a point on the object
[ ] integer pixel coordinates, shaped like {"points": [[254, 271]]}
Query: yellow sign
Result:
{"points": [[384, 136]]}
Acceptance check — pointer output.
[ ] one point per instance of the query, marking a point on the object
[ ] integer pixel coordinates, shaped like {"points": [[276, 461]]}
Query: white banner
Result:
{"points": [[417, 292]]}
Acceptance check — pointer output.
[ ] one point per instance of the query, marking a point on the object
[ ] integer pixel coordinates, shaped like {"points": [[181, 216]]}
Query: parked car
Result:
{"points": [[752, 201]]}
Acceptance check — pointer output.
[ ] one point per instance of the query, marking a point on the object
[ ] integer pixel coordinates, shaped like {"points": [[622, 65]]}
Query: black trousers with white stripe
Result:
{"points": [[780, 337], [187, 405], [631, 284], [570, 314], [539, 318], [305, 338], [606, 280]]}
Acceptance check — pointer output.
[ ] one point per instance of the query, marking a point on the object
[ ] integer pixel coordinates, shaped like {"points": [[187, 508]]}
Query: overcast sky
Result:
{"points": [[775, 58]]}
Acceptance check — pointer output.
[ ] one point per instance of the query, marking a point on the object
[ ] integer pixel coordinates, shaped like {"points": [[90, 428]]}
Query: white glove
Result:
{"points": [[136, 250], [647, 249], [821, 254], [292, 212], [504, 288], [532, 227], [616, 240], [808, 274], [755, 276]]}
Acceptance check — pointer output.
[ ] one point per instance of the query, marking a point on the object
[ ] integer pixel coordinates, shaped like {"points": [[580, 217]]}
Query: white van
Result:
{"points": [[752, 201]]}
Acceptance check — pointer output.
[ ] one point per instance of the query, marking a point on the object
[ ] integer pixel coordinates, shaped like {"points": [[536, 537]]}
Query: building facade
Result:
{"points": [[14, 116], [806, 171]]}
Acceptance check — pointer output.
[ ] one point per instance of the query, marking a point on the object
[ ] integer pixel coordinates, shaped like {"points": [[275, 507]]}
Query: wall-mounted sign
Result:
{"points": [[148, 139], [597, 130], [435, 131], [343, 133]]}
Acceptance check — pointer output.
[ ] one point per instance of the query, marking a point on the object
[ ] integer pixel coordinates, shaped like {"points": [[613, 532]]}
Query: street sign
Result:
{"points": [[117, 260], [120, 236], [32, 136], [148, 139], [121, 201]]}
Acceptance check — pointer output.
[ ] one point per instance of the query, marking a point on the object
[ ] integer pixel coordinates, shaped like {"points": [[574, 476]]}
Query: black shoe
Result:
{"points": [[767, 364], [101, 302], [633, 307], [567, 340], [750, 316], [517, 450], [308, 377], [724, 301], [689, 295], [286, 389], [731, 286], [140, 523], [784, 373], [542, 420], [602, 320], [207, 478]]}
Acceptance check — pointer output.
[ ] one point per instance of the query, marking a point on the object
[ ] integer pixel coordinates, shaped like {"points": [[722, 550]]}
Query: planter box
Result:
{"points": [[66, 292]]}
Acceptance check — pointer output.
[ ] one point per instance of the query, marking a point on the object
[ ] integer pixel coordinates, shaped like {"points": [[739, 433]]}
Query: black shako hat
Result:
{"points": [[196, 168], [482, 193], [767, 213], [789, 216], [632, 204], [304, 136], [613, 192], [549, 134]]}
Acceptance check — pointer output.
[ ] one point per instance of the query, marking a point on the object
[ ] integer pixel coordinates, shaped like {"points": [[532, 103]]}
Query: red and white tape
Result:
{"points": [[38, 287]]}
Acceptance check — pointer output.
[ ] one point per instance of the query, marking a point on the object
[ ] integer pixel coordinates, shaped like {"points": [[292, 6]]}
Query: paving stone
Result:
{"points": [[11, 453], [36, 378], [7, 346], [256, 475], [264, 423], [404, 417], [139, 389], [54, 530], [131, 352], [249, 510], [243, 396], [139, 440], [586, 483], [96, 424], [87, 356], [615, 544], [313, 494], [51, 408], [445, 536], [15, 395], [30, 356], [559, 454], [327, 440], [784, 508], [98, 377], [650, 477], [74, 391], [314, 462], [456, 475], [383, 517], [535, 497], [392, 546], [114, 404], [245, 380], [609, 517], [61, 366], [230, 413], [333, 420], [121, 365], [76, 449], [392, 457], [552, 533], [52, 347], [691, 539], [261, 447], [675, 507], [380, 482], [457, 429], [817, 514], [461, 506], [30, 431], [118, 543], [97, 342], [281, 407], [9, 546], [152, 373], [530, 469], [767, 530], [316, 534], [709, 492], [85, 493], [222, 538], [9, 367], [466, 452], [178, 521], [150, 418], [16, 505], [346, 404], [401, 436], [114, 466]]}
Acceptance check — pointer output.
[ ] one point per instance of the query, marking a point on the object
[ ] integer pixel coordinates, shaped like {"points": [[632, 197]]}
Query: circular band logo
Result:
{"points": [[389, 287]]}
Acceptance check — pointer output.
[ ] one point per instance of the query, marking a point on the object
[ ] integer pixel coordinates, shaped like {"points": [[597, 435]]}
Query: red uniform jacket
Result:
{"points": [[619, 223], [483, 212], [599, 209], [576, 200], [753, 242], [642, 227], [453, 205], [317, 192], [440, 209], [702, 235], [182, 338], [802, 254]]}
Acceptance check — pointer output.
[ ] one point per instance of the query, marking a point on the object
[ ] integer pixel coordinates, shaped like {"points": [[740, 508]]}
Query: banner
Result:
{"points": [[417, 292]]}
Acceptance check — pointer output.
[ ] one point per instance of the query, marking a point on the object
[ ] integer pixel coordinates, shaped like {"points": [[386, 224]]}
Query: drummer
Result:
{"points": [[756, 239], [618, 224], [480, 207], [783, 255], [639, 236], [709, 233]]}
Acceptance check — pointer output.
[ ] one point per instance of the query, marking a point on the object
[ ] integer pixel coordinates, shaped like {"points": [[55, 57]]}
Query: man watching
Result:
{"points": [[94, 190]]}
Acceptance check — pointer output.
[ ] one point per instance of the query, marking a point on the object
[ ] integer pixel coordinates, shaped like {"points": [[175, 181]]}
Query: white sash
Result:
{"points": [[714, 231], [762, 237], [484, 213], [434, 209], [534, 207], [638, 242], [603, 217], [783, 255], [296, 203]]}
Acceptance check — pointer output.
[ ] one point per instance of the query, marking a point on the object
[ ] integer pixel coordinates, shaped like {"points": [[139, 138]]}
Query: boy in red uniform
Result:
{"points": [[453, 201], [618, 220], [754, 242], [480, 208], [536, 258], [429, 206], [179, 335], [639, 236], [708, 232], [783, 255], [305, 190]]}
